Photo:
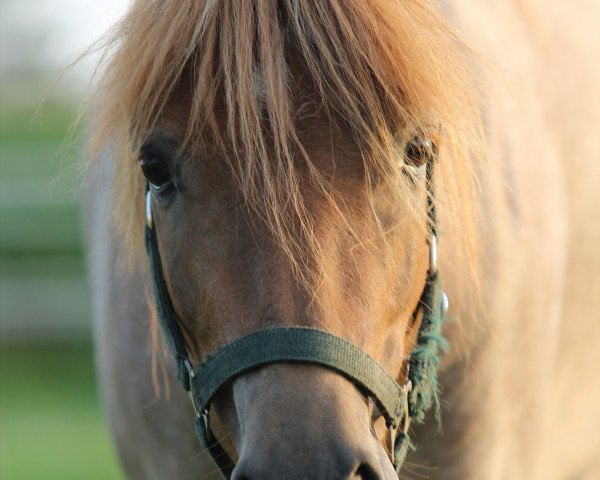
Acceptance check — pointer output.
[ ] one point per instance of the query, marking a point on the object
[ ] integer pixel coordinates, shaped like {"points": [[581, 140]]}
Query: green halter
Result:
{"points": [[399, 404]]}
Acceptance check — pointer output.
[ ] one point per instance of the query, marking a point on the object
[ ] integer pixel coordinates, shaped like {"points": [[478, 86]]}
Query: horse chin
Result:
{"points": [[297, 421]]}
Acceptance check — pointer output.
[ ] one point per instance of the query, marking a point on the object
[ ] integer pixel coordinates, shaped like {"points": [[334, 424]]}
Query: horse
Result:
{"points": [[284, 156]]}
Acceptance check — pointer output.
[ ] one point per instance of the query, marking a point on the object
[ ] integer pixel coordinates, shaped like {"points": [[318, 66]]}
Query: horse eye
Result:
{"points": [[156, 172], [418, 152]]}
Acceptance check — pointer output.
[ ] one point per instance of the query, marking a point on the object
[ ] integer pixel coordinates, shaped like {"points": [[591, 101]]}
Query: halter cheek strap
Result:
{"points": [[165, 310], [399, 404]]}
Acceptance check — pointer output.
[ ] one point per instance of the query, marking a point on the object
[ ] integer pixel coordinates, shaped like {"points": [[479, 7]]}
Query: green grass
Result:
{"points": [[51, 426]]}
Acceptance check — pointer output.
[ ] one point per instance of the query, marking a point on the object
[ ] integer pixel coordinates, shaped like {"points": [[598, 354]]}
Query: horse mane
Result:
{"points": [[387, 68]]}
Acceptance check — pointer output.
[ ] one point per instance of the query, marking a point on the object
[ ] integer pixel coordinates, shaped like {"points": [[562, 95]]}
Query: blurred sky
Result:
{"points": [[39, 37]]}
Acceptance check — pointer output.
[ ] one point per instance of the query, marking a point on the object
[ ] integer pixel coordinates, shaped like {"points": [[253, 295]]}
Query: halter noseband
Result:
{"points": [[399, 403]]}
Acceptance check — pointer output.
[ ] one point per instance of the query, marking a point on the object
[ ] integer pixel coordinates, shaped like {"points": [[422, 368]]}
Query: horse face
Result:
{"points": [[228, 276]]}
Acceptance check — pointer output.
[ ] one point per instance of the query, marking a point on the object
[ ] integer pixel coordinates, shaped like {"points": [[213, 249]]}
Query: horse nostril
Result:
{"points": [[367, 472], [262, 468], [364, 472]]}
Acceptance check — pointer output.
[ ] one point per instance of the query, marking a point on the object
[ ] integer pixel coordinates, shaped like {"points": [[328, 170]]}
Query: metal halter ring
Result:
{"points": [[149, 220], [189, 368], [191, 374], [202, 414], [445, 303]]}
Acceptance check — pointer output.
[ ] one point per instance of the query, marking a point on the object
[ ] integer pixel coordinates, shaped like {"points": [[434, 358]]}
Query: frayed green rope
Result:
{"points": [[425, 357], [424, 363]]}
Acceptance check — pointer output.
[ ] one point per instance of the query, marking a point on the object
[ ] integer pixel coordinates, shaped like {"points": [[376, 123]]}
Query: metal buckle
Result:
{"points": [[149, 220], [432, 254]]}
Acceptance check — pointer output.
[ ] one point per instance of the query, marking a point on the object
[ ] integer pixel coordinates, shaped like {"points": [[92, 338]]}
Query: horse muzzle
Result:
{"points": [[304, 422]]}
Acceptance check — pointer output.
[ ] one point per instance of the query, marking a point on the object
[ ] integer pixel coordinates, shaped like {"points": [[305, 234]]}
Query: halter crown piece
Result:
{"points": [[400, 404]]}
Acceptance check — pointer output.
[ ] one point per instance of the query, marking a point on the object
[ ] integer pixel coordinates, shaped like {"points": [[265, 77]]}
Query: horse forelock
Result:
{"points": [[387, 69]]}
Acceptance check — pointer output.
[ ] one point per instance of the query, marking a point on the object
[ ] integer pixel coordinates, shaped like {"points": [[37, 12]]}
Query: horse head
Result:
{"points": [[287, 153]]}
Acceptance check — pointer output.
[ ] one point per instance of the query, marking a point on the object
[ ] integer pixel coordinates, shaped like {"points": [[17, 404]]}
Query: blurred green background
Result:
{"points": [[51, 424]]}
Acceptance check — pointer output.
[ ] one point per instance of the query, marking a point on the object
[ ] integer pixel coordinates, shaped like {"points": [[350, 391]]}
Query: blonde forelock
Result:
{"points": [[386, 68]]}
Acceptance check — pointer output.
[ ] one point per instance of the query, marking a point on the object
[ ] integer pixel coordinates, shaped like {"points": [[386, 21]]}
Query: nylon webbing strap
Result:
{"points": [[165, 311], [299, 345], [214, 447]]}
